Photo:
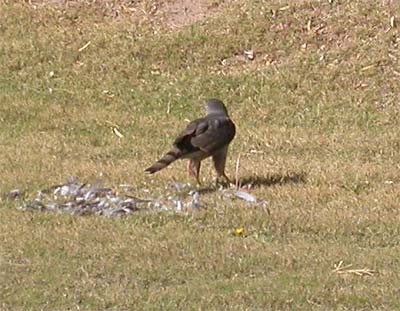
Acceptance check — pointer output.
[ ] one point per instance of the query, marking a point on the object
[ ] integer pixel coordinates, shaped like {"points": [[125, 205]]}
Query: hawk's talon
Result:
{"points": [[226, 183]]}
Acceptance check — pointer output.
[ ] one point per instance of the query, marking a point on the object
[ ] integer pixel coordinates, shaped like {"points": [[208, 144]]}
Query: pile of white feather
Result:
{"points": [[82, 199]]}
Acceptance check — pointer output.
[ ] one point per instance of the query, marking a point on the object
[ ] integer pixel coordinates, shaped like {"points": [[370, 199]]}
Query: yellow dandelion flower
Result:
{"points": [[239, 231]]}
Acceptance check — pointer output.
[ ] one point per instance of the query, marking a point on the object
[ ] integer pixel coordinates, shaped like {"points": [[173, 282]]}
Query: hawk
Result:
{"points": [[202, 138]]}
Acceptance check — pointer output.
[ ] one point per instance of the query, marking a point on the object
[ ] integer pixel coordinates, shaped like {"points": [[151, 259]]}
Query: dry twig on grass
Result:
{"points": [[340, 269], [237, 181]]}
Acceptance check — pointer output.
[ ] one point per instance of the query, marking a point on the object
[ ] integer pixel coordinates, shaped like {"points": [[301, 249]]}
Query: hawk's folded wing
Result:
{"points": [[208, 134]]}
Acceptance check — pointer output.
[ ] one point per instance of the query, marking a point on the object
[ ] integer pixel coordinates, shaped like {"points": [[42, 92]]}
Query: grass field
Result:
{"points": [[317, 114]]}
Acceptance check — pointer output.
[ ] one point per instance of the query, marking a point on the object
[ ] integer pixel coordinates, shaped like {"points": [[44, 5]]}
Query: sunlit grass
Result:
{"points": [[317, 119]]}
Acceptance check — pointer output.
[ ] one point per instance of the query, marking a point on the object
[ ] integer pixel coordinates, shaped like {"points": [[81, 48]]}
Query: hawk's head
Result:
{"points": [[216, 106]]}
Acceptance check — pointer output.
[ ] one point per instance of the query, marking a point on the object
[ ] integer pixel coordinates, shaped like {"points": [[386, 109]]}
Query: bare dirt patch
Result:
{"points": [[180, 13], [173, 14]]}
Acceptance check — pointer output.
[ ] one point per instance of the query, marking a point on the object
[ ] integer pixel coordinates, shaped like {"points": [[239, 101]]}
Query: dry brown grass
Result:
{"points": [[317, 116]]}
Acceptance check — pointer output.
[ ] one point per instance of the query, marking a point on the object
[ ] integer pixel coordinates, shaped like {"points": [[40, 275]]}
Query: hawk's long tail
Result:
{"points": [[166, 160]]}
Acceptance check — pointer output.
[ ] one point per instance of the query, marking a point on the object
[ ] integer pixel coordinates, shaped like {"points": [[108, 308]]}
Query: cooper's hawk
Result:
{"points": [[202, 138]]}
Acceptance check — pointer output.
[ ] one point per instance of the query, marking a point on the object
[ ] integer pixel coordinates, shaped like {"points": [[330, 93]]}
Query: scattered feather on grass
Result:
{"points": [[82, 199], [13, 194], [245, 196]]}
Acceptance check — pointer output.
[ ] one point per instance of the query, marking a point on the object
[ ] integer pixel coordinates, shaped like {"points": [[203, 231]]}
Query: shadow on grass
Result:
{"points": [[274, 179], [263, 181]]}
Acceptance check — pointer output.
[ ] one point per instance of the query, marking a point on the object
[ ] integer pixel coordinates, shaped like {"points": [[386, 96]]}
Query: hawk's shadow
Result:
{"points": [[265, 181], [273, 179]]}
